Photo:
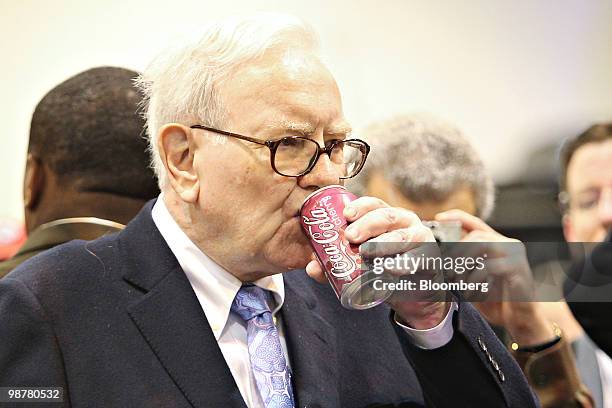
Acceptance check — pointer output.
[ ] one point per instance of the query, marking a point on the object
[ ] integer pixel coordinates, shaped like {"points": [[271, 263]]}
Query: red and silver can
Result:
{"points": [[324, 223]]}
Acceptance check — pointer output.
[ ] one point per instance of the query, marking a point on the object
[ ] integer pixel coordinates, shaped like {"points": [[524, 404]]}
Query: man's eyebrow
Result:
{"points": [[588, 190], [301, 128], [343, 129], [307, 129]]}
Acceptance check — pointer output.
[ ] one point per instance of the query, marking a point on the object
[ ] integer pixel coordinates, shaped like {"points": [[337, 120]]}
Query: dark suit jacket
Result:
{"points": [[116, 323], [588, 291], [52, 234]]}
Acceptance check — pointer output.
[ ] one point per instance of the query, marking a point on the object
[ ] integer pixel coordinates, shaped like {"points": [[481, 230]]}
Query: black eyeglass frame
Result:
{"points": [[273, 145]]}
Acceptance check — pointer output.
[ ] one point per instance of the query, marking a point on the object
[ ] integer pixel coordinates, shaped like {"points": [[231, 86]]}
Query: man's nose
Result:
{"points": [[324, 173], [604, 209]]}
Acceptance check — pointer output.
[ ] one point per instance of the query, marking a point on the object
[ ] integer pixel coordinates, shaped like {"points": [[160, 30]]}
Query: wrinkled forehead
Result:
{"points": [[288, 88]]}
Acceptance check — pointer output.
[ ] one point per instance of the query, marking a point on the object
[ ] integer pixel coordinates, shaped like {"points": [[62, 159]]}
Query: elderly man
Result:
{"points": [[426, 165], [86, 172], [193, 303]]}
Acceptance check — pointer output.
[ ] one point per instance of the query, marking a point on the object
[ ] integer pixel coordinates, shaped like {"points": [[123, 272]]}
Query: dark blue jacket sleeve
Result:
{"points": [[29, 351], [473, 370]]}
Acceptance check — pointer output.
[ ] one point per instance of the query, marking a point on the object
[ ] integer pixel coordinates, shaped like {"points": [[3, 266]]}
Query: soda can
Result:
{"points": [[323, 222], [445, 231]]}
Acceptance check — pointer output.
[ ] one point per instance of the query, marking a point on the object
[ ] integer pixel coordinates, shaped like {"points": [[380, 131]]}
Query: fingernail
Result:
{"points": [[349, 212]]}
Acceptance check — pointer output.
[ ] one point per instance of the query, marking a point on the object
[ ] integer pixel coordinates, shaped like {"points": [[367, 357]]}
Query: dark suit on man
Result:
{"points": [[117, 324], [588, 291], [56, 233]]}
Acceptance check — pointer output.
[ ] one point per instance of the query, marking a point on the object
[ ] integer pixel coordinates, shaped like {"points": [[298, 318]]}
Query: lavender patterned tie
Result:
{"points": [[270, 369]]}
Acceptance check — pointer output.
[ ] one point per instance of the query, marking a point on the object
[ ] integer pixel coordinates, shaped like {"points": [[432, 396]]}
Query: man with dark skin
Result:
{"points": [[87, 168]]}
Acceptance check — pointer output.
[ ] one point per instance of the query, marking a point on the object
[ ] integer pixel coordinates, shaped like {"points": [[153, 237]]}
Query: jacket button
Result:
{"points": [[495, 365], [482, 344]]}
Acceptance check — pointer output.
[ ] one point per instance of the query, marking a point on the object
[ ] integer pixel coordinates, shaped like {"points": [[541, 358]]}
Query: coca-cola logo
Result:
{"points": [[322, 226], [324, 233]]}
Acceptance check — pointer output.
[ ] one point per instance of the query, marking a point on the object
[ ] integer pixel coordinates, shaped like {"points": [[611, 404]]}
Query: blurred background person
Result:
{"points": [[586, 185], [469, 85], [87, 170], [586, 201], [428, 166]]}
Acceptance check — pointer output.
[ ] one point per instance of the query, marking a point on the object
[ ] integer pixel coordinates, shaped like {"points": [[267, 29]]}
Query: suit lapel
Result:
{"points": [[312, 345], [171, 320]]}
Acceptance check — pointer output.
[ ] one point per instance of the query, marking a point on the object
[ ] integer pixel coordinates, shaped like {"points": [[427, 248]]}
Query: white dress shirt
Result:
{"points": [[605, 371], [216, 288]]}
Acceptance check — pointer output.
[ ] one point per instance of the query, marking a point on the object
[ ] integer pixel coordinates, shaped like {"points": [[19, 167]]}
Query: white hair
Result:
{"points": [[427, 160], [183, 86]]}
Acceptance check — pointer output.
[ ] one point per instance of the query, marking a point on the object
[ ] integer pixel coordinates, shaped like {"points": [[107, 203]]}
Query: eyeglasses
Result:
{"points": [[295, 156], [585, 201]]}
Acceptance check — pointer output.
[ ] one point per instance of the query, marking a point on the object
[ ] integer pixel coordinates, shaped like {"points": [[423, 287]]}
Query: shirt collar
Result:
{"points": [[214, 286]]}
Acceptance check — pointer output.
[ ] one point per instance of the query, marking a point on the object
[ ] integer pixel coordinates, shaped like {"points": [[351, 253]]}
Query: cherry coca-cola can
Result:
{"points": [[324, 223]]}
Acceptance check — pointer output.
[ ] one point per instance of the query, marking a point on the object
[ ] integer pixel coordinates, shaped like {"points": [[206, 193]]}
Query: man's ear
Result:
{"points": [[568, 229], [33, 182], [177, 149]]}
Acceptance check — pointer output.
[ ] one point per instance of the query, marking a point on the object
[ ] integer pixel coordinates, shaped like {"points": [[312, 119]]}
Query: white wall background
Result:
{"points": [[513, 75]]}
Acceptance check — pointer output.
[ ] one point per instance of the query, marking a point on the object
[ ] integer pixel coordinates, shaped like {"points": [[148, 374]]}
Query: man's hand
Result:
{"points": [[399, 230], [509, 277]]}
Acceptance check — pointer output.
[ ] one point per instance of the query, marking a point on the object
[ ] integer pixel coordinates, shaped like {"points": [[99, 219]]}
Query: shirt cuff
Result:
{"points": [[435, 337]]}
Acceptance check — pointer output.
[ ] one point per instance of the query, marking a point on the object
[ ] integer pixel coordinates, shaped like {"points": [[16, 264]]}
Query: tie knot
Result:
{"points": [[251, 301]]}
